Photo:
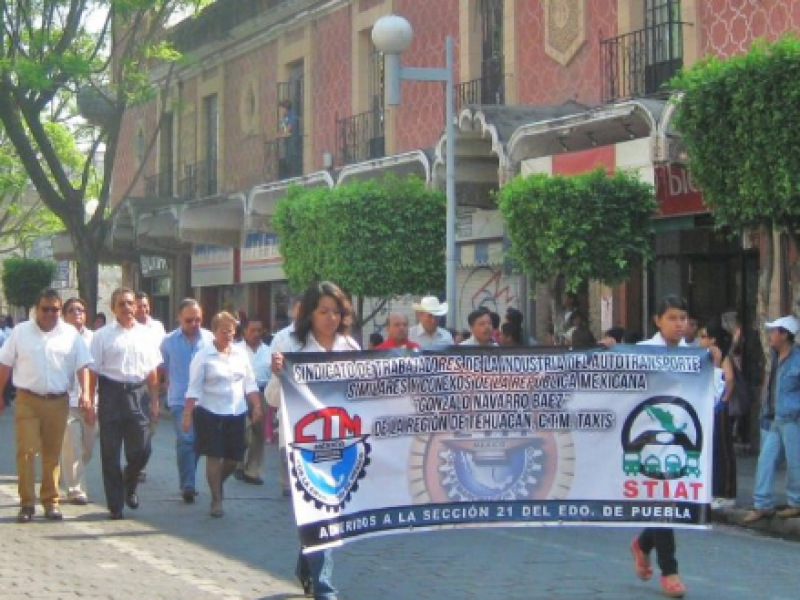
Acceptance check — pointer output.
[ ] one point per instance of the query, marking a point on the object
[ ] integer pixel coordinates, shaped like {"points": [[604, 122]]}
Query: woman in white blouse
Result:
{"points": [[220, 377], [324, 318]]}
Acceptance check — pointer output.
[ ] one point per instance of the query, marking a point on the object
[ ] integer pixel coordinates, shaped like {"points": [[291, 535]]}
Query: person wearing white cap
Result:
{"points": [[780, 423], [427, 332]]}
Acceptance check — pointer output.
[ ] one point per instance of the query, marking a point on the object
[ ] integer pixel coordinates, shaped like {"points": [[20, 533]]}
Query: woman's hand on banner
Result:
{"points": [[277, 363]]}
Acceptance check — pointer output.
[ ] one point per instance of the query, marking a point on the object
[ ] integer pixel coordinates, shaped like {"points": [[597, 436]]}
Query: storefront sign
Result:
{"points": [[212, 265], [675, 192], [384, 443], [261, 259], [153, 266]]}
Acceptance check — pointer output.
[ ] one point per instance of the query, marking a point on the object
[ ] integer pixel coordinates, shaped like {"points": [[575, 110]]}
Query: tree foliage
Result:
{"points": [[374, 239], [24, 278], [739, 118], [583, 227], [49, 51]]}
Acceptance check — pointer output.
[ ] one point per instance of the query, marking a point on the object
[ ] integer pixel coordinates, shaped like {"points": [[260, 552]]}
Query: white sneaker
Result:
{"points": [[721, 503]]}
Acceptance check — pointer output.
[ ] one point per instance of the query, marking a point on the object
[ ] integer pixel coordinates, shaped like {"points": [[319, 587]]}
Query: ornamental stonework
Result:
{"points": [[564, 29]]}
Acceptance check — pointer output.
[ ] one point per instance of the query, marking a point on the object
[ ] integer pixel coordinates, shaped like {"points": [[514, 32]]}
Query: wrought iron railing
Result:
{"points": [[484, 90], [159, 185], [640, 63], [284, 158], [360, 137], [198, 180]]}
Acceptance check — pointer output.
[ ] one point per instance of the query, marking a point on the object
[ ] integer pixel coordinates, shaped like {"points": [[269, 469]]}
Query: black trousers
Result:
{"points": [[124, 418], [663, 540], [723, 480]]}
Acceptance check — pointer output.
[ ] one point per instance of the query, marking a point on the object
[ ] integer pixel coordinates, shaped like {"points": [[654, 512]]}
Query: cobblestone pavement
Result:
{"points": [[169, 550]]}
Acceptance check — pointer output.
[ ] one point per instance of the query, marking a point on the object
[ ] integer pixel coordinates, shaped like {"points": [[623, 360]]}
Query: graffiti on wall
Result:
{"points": [[487, 287]]}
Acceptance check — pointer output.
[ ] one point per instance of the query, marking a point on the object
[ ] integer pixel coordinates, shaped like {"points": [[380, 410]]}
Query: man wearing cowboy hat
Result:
{"points": [[427, 332]]}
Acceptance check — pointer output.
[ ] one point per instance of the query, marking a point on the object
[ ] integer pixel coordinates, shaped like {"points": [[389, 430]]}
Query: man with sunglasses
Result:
{"points": [[177, 350], [81, 430], [47, 356]]}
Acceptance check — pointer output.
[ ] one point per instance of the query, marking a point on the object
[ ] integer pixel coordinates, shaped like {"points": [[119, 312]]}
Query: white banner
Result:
{"points": [[387, 442]]}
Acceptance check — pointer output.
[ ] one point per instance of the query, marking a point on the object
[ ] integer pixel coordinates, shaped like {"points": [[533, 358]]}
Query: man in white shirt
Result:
{"points": [[125, 362], [47, 356], [158, 332], [81, 430], [427, 332], [260, 357], [480, 324]]}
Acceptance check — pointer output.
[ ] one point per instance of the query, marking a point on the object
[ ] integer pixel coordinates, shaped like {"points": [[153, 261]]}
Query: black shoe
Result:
{"points": [[188, 495], [132, 500], [52, 513], [115, 516], [252, 480], [25, 514]]}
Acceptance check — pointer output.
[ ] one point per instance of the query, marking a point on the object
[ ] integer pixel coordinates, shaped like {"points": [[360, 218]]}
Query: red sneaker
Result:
{"points": [[641, 561]]}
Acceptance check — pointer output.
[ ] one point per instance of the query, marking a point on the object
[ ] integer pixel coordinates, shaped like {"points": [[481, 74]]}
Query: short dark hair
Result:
{"points": [[120, 291], [48, 294], [495, 319], [672, 301], [73, 300], [477, 314], [141, 296], [513, 331], [375, 338], [514, 315], [186, 302], [101, 315], [617, 333], [582, 338]]}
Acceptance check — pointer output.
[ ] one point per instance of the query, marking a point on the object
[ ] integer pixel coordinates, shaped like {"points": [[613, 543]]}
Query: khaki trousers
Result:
{"points": [[79, 440], [40, 425]]}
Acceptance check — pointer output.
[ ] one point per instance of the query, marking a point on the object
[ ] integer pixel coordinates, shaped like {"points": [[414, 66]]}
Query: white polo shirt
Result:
{"points": [[219, 381], [125, 355], [44, 362]]}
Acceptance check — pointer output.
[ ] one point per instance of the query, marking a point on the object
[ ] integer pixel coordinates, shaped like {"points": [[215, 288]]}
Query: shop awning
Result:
{"points": [[157, 231], [402, 165], [219, 221], [263, 199]]}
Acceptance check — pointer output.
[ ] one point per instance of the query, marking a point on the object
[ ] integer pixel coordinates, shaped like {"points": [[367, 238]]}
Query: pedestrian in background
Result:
{"points": [[397, 334], [47, 357], [220, 378], [670, 320], [260, 357], [125, 366], [481, 326], [427, 332], [81, 432], [322, 323], [177, 350], [780, 423]]}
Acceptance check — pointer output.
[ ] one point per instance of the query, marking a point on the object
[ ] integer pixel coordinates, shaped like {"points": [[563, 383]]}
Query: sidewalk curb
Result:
{"points": [[773, 526]]}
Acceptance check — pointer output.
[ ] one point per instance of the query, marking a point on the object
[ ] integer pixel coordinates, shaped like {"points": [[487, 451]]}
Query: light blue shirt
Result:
{"points": [[261, 361], [178, 353]]}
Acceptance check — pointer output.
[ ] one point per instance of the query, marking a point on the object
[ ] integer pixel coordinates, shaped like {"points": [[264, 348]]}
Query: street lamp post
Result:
{"points": [[392, 35]]}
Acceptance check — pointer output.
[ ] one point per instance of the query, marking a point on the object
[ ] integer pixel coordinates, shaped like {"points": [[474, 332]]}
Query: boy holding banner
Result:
{"points": [[670, 320]]}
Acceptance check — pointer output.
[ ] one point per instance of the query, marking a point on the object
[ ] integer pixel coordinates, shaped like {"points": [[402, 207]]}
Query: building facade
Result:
{"points": [[277, 92]]}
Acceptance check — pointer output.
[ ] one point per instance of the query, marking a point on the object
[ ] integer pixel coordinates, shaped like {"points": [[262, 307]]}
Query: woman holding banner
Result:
{"points": [[324, 318], [671, 320]]}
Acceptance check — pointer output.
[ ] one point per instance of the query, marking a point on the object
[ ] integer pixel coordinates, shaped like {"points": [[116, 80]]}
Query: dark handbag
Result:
{"points": [[741, 399]]}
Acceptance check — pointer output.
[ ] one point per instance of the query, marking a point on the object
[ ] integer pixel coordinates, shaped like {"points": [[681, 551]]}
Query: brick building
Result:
{"points": [[277, 92]]}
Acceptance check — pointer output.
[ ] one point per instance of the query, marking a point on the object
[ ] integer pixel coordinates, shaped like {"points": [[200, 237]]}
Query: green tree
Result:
{"points": [[24, 278], [49, 51], [571, 229], [739, 118], [376, 239]]}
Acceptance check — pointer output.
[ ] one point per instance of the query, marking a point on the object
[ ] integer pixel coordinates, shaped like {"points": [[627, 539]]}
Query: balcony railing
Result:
{"points": [[640, 63], [360, 137], [159, 185], [198, 180], [284, 158], [484, 90]]}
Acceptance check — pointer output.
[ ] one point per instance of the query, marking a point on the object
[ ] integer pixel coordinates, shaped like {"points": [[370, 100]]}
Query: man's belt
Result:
{"points": [[57, 396], [124, 385]]}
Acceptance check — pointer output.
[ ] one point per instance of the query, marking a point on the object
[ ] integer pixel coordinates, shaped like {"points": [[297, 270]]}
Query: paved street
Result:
{"points": [[169, 550]]}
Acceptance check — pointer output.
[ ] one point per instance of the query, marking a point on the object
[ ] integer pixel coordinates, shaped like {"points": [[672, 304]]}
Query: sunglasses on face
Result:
{"points": [[51, 310], [76, 310]]}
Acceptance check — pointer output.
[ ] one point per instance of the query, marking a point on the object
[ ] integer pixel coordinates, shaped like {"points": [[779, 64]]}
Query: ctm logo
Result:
{"points": [[332, 423]]}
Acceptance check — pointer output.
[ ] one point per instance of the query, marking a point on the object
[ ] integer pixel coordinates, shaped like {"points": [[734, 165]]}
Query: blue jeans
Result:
{"points": [[184, 448], [318, 567], [783, 437]]}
